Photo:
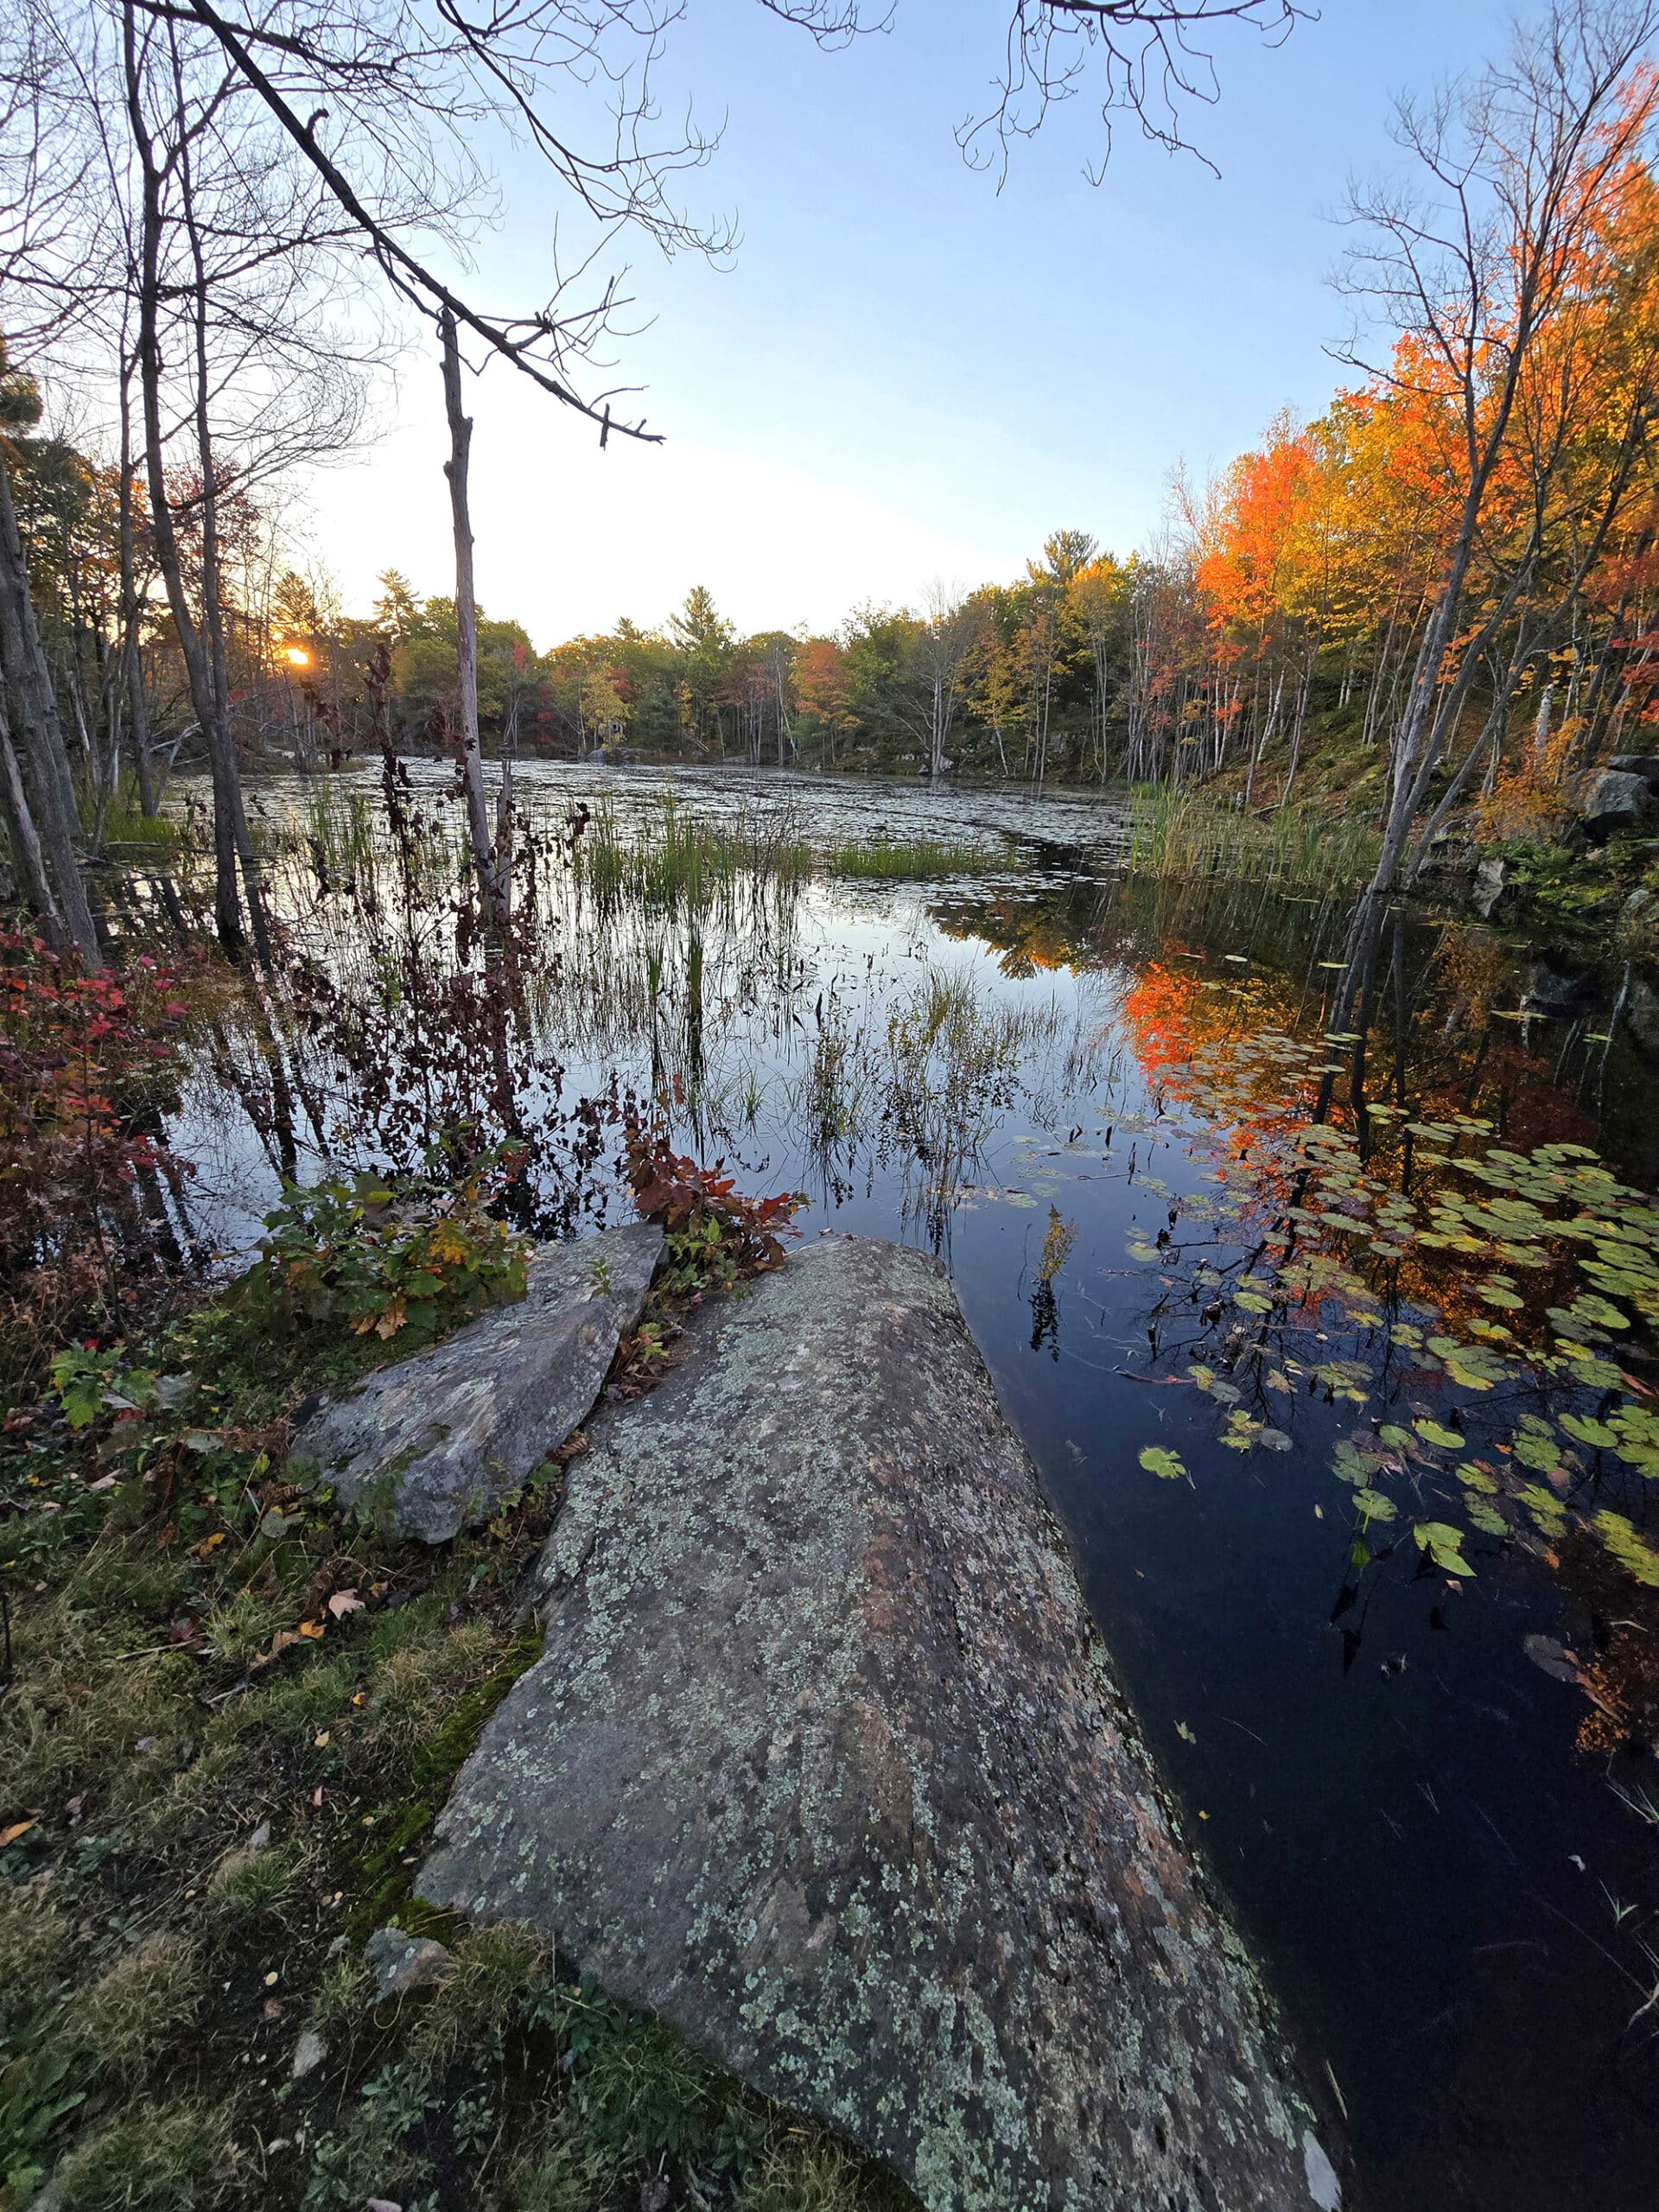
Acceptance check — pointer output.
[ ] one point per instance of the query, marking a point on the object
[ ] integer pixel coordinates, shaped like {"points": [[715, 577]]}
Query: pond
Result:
{"points": [[967, 1020]]}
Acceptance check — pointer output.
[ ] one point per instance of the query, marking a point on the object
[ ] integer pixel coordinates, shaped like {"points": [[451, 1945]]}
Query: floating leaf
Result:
{"points": [[1434, 1431], [1441, 1542], [1157, 1461]]}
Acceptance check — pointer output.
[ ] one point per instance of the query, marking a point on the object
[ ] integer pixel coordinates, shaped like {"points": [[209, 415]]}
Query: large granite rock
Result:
{"points": [[1612, 799], [432, 1445], [824, 1762]]}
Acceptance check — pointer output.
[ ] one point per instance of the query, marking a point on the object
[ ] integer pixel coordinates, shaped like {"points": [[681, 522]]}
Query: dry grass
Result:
{"points": [[124, 2021]]}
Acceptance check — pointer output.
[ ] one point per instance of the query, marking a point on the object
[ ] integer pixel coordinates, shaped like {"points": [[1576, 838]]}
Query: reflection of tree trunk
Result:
{"points": [[694, 1008]]}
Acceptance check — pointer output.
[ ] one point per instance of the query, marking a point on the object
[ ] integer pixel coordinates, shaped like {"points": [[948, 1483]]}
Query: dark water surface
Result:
{"points": [[1419, 1826]]}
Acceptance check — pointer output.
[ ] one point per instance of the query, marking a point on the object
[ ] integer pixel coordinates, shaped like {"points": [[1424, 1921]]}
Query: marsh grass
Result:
{"points": [[907, 859], [1180, 835], [667, 861]]}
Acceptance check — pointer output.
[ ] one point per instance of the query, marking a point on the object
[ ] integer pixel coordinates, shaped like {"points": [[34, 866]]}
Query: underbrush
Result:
{"points": [[89, 1066], [1582, 888]]}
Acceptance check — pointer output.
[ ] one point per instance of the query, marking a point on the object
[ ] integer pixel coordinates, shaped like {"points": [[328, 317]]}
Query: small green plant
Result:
{"points": [[383, 1257]]}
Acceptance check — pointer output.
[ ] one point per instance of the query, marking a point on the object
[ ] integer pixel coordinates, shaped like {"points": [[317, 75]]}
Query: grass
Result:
{"points": [[669, 862], [1178, 834], [917, 859]]}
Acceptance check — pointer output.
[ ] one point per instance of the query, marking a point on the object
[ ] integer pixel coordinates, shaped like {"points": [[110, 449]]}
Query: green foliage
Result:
{"points": [[389, 1258], [640, 2089]]}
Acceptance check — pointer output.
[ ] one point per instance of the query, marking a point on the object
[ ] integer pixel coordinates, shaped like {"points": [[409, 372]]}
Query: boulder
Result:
{"points": [[432, 1444], [1645, 765], [824, 1762], [1612, 799]]}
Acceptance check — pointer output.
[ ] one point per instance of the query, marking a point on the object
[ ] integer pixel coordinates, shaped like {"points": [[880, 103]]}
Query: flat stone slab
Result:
{"points": [[432, 1444], [824, 1762]]}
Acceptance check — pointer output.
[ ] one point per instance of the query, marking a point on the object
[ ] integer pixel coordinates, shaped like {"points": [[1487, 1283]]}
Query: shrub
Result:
{"points": [[715, 1235], [405, 1257], [87, 1065]]}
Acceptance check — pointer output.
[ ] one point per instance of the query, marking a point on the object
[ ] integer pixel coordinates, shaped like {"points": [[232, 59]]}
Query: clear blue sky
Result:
{"points": [[906, 375]]}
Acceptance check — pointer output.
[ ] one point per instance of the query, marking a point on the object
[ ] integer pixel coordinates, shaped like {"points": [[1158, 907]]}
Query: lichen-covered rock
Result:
{"points": [[403, 1962], [824, 1762], [1492, 879], [431, 1445]]}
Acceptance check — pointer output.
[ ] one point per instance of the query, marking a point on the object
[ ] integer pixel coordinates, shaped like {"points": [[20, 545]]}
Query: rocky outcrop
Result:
{"points": [[433, 1444], [1613, 800], [824, 1761]]}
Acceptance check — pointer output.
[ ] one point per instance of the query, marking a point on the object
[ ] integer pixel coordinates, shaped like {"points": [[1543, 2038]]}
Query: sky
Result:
{"points": [[904, 376]]}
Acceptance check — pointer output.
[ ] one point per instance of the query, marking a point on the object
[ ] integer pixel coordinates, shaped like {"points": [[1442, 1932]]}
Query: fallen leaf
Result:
{"points": [[17, 1828], [312, 1628], [344, 1602]]}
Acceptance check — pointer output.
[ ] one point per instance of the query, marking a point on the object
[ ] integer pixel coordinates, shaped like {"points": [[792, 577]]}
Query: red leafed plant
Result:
{"points": [[88, 1067], [715, 1235]]}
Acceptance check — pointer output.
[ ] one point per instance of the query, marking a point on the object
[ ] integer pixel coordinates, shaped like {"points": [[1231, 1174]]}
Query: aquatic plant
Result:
{"points": [[667, 859], [1178, 833], [1486, 1312], [906, 859]]}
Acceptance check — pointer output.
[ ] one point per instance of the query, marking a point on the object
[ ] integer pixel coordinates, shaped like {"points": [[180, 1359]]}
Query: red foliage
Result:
{"points": [[701, 1204], [87, 1067]]}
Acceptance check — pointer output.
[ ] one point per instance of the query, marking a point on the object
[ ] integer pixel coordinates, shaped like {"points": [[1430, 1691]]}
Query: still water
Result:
{"points": [[1438, 1844]]}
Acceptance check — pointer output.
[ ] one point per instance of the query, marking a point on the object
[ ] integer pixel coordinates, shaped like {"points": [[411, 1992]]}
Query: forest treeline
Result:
{"points": [[1441, 589]]}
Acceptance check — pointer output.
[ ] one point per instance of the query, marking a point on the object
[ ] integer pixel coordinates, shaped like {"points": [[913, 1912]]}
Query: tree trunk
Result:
{"points": [[29, 862], [227, 904], [461, 441], [34, 705]]}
